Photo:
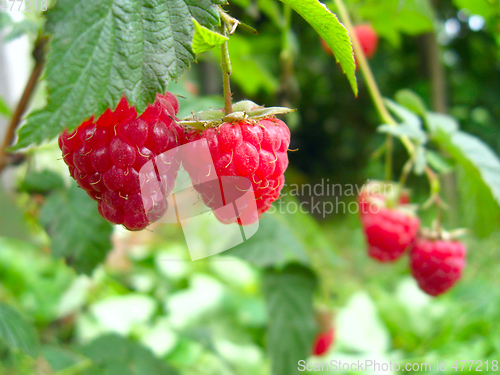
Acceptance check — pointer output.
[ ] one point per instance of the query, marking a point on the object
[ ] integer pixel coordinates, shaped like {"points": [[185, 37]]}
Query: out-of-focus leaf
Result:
{"points": [[4, 107], [390, 18], [411, 101], [42, 182], [26, 26], [205, 39], [12, 221], [331, 31], [438, 162], [478, 208], [77, 231], [407, 117], [5, 19], [113, 354], [441, 122], [420, 160], [60, 358], [486, 8], [481, 167], [291, 327], [404, 130], [274, 244], [246, 62], [16, 331]]}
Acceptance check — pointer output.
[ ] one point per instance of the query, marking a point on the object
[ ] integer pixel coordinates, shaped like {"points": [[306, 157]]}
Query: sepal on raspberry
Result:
{"points": [[390, 227], [249, 144]]}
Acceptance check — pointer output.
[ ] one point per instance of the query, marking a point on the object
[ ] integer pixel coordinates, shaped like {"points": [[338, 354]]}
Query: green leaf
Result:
{"points": [[485, 8], [16, 331], [247, 61], [77, 231], [291, 326], [42, 182], [438, 122], [205, 39], [390, 18], [438, 162], [405, 115], [4, 108], [275, 243], [404, 130], [5, 19], [478, 208], [481, 173], [420, 160], [411, 101], [14, 224], [332, 31], [116, 355], [102, 50]]}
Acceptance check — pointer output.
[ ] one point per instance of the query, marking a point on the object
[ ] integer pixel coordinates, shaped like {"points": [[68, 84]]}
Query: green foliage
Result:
{"points": [[101, 51], [12, 224], [42, 182], [246, 63], [332, 31], [274, 244], [78, 233], [292, 327], [486, 8], [16, 331], [205, 39], [390, 18], [4, 108], [113, 354], [481, 167]]}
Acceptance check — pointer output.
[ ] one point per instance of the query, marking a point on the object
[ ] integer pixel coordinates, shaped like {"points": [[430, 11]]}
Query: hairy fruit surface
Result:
{"points": [[437, 264], [105, 157], [251, 151]]}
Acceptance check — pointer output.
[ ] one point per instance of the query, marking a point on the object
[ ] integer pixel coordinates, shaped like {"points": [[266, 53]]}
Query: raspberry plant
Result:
{"points": [[120, 94]]}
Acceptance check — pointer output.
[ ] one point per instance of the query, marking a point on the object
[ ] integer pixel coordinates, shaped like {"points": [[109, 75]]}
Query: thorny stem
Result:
{"points": [[226, 72], [39, 56], [379, 102]]}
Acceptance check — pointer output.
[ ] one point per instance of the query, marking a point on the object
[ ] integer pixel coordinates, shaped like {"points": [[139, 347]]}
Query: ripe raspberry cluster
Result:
{"points": [[105, 157], [391, 228]]}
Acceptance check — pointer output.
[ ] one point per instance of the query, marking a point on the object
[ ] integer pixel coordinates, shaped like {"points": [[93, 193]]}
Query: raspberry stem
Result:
{"points": [[379, 102], [39, 56], [226, 72]]}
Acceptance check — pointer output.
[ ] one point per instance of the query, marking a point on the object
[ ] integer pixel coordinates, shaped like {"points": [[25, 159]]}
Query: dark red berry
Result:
{"points": [[245, 154], [437, 264], [105, 157], [323, 341]]}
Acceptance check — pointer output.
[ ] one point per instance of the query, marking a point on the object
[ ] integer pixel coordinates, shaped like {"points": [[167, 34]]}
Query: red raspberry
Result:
{"points": [[368, 39], [106, 155], [389, 232], [255, 150], [323, 341], [326, 334], [437, 264]]}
